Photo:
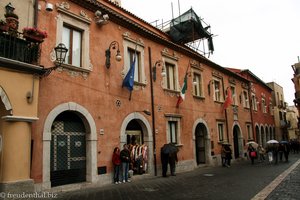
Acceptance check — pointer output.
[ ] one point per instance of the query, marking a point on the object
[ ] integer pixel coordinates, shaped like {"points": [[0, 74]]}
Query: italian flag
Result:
{"points": [[182, 93]]}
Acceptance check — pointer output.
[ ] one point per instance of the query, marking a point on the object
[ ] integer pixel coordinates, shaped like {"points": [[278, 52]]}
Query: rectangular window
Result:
{"points": [[197, 85], [221, 131], [263, 105], [173, 131], [271, 111], [72, 38], [233, 95], [137, 66], [246, 99], [249, 131], [171, 81], [217, 92], [253, 101]]}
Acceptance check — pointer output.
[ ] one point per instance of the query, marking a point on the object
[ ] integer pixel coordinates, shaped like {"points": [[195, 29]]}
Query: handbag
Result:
{"points": [[253, 154]]}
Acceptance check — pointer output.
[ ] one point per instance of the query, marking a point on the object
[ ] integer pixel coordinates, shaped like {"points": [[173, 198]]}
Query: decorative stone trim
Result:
{"points": [[165, 52], [5, 100], [63, 5], [19, 118]]}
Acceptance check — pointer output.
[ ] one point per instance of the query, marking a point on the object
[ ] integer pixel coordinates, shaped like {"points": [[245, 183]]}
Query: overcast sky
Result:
{"points": [[260, 35]]}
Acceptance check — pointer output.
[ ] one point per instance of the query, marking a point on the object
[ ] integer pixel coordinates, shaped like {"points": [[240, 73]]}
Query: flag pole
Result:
{"points": [[130, 93]]}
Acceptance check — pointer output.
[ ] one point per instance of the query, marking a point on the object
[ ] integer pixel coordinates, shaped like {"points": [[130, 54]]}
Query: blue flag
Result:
{"points": [[129, 78]]}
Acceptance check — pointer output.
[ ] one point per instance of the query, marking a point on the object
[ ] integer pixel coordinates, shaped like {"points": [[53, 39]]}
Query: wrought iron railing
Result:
{"points": [[14, 47]]}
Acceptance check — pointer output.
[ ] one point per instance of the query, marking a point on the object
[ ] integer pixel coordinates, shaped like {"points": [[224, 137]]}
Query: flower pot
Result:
{"points": [[3, 28], [12, 23], [33, 38]]}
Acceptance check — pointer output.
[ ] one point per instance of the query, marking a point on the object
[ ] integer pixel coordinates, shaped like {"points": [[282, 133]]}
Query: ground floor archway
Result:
{"points": [[82, 141], [200, 146], [137, 133]]}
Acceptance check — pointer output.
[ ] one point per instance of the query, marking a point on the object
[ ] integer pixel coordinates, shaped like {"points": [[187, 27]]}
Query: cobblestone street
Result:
{"points": [[242, 181]]}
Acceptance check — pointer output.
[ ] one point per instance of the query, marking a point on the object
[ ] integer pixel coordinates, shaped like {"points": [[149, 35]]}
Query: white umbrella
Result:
{"points": [[254, 144], [272, 142]]}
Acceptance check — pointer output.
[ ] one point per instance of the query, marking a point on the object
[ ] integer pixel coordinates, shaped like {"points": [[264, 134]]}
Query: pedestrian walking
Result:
{"points": [[223, 156], [261, 153], [252, 153], [280, 151], [125, 159], [164, 156], [228, 155], [286, 151], [172, 162], [116, 160]]}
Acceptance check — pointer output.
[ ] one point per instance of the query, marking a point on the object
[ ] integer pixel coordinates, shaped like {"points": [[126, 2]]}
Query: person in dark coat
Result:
{"points": [[252, 153], [164, 161], [125, 159], [228, 155], [172, 162], [286, 152]]}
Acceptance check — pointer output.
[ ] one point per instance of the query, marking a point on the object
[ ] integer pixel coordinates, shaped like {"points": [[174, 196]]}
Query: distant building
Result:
{"points": [[292, 116], [280, 106], [296, 81], [261, 107]]}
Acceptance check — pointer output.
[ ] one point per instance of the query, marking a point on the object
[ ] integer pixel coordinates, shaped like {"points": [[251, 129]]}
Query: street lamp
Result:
{"points": [[60, 53], [113, 45], [163, 71]]}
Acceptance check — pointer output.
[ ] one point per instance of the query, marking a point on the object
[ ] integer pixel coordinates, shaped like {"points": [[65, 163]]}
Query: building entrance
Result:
{"points": [[68, 150], [200, 134]]}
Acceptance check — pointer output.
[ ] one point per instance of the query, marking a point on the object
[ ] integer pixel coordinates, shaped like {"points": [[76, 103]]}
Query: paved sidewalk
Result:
{"points": [[289, 188], [242, 181]]}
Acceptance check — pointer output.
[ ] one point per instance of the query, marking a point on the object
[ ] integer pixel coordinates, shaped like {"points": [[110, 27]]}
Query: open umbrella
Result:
{"points": [[283, 142], [272, 142], [169, 148], [252, 143]]}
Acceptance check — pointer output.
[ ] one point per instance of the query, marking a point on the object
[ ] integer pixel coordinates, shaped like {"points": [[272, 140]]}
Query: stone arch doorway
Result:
{"points": [[136, 131], [263, 137], [68, 149], [257, 135], [236, 141], [90, 137], [200, 135]]}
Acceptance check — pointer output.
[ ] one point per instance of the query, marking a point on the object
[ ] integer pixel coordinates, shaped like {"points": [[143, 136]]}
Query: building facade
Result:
{"points": [[280, 106], [81, 112], [261, 106], [292, 119]]}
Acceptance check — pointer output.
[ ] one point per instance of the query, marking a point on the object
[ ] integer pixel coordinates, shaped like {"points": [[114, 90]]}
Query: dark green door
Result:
{"points": [[200, 144], [68, 150]]}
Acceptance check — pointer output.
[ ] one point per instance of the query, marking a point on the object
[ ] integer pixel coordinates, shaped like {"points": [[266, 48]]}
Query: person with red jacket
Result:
{"points": [[116, 160]]}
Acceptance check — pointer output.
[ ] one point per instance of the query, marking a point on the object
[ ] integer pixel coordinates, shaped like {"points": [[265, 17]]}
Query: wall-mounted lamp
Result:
{"points": [[49, 7], [100, 18], [9, 8], [163, 71], [147, 112], [112, 45], [60, 53]]}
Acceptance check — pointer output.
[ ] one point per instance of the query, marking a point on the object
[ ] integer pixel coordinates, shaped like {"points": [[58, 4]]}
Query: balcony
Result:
{"points": [[16, 48]]}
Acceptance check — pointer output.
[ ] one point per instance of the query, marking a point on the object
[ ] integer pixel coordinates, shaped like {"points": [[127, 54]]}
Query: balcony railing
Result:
{"points": [[16, 48]]}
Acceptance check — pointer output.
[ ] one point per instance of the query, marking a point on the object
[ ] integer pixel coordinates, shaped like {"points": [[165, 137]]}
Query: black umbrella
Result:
{"points": [[169, 148]]}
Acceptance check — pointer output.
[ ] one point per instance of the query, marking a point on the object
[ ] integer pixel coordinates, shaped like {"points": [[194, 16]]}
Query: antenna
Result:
{"points": [[179, 7], [172, 10]]}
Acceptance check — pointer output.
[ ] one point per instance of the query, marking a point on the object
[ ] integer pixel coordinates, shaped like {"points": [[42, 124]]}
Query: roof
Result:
{"points": [[247, 71], [126, 19]]}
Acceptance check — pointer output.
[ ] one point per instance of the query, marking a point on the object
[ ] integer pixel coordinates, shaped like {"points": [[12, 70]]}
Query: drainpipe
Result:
{"points": [[227, 128], [153, 113], [35, 15], [251, 110]]}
